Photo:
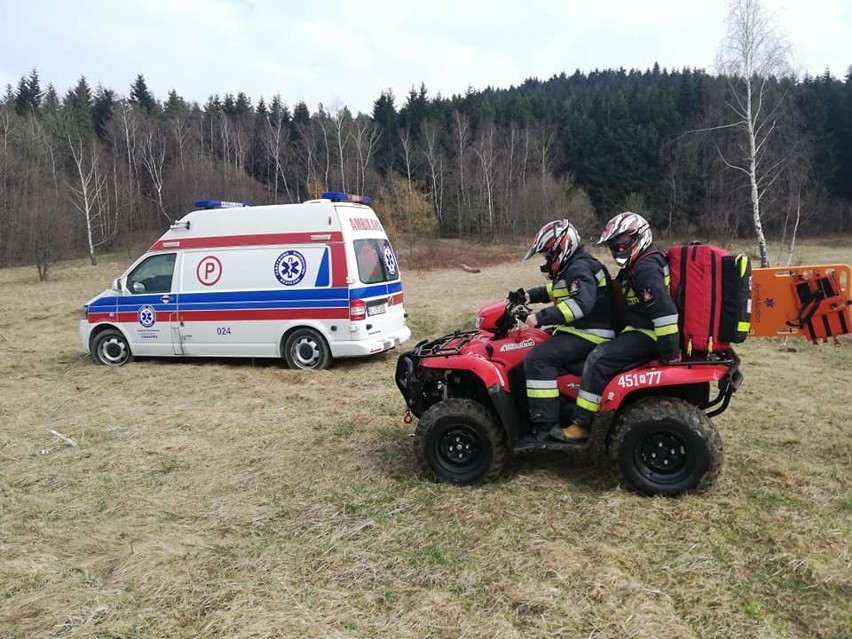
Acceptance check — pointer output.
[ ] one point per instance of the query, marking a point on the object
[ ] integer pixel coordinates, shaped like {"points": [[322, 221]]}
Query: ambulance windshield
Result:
{"points": [[376, 261]]}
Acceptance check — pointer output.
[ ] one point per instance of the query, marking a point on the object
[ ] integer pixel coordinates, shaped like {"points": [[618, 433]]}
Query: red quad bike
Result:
{"points": [[467, 390]]}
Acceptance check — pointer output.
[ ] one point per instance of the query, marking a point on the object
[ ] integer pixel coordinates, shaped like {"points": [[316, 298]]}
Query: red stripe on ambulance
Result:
{"points": [[228, 315], [264, 314]]}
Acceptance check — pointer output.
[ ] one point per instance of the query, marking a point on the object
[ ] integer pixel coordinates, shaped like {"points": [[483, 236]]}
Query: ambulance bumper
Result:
{"points": [[381, 344], [85, 330]]}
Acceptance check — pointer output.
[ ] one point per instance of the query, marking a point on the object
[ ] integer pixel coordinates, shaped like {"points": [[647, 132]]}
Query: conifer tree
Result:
{"points": [[28, 96], [141, 97], [78, 107], [102, 110], [385, 116]]}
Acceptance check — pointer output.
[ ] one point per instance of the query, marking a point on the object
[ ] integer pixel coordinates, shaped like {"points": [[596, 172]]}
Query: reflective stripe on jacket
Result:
{"points": [[582, 300], [650, 308]]}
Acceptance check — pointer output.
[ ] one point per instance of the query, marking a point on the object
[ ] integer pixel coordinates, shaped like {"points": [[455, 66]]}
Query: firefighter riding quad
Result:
{"points": [[467, 390]]}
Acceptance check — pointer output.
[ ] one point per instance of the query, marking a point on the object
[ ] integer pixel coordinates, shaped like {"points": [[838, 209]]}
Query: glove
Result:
{"points": [[516, 298], [532, 320]]}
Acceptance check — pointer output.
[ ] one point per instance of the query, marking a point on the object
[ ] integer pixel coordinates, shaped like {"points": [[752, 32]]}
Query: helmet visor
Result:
{"points": [[620, 246], [621, 243]]}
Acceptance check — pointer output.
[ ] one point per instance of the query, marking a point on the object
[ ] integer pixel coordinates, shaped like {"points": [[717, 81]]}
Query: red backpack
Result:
{"points": [[712, 291]]}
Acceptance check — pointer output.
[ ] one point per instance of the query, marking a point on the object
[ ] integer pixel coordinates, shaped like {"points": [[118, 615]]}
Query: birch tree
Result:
{"points": [[487, 156], [461, 142], [7, 125], [306, 152], [275, 143], [365, 135], [509, 194], [407, 152], [430, 135], [752, 55], [340, 122], [153, 157], [124, 131], [321, 121], [89, 190]]}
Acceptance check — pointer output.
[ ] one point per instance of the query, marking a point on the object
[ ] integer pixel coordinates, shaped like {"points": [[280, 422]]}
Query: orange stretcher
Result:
{"points": [[801, 301]]}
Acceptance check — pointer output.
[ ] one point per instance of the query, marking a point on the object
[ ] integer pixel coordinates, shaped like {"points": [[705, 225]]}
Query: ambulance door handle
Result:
{"points": [[165, 299]]}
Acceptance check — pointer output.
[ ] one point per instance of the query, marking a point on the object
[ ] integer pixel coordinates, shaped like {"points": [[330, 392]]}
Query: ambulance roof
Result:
{"points": [[215, 218]]}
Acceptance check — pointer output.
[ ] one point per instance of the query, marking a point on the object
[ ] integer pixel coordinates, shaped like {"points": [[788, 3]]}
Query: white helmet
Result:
{"points": [[626, 235], [557, 241]]}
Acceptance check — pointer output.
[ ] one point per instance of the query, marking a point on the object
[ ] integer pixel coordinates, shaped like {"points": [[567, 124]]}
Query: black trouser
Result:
{"points": [[542, 365], [627, 350]]}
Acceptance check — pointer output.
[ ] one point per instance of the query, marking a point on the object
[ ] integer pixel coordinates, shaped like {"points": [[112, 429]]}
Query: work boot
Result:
{"points": [[573, 433], [541, 431]]}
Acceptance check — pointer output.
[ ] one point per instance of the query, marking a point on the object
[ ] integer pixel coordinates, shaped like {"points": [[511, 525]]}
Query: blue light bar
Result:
{"points": [[219, 204], [336, 196]]}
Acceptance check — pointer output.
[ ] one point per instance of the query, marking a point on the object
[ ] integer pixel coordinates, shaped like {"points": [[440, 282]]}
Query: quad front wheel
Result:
{"points": [[666, 446], [458, 441]]}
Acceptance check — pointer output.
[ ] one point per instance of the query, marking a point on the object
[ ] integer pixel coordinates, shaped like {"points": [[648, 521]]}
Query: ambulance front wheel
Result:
{"points": [[110, 348], [306, 348]]}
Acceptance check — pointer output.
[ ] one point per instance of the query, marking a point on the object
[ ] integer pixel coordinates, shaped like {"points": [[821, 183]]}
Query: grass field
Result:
{"points": [[242, 499]]}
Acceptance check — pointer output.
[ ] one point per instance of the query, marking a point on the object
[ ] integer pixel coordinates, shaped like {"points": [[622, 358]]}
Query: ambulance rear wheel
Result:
{"points": [[110, 348], [305, 348]]}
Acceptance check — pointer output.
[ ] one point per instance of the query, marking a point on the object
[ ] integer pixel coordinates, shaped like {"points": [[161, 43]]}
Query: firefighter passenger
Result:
{"points": [[650, 317], [581, 310]]}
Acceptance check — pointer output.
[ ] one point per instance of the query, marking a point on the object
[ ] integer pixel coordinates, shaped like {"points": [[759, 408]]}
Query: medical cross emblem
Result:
{"points": [[147, 316], [290, 268], [390, 261]]}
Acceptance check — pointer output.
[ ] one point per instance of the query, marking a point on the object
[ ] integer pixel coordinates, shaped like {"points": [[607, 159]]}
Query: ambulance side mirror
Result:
{"points": [[116, 284]]}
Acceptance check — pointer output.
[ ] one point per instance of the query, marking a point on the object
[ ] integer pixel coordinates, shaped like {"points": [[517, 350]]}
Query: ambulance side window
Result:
{"points": [[376, 261], [154, 275], [369, 263]]}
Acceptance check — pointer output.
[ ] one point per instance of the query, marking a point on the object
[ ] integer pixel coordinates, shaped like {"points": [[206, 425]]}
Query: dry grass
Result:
{"points": [[241, 499]]}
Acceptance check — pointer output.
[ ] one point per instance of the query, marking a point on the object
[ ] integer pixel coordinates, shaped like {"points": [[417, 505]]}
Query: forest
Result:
{"points": [[95, 170]]}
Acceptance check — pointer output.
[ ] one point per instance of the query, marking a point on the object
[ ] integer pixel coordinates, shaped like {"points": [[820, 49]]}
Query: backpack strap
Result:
{"points": [[618, 302], [653, 251]]}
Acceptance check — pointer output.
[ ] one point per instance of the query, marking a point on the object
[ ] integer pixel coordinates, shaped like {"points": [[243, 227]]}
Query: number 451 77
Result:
{"points": [[632, 380]]}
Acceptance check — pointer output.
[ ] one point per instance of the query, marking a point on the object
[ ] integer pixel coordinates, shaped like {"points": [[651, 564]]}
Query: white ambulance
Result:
{"points": [[305, 282]]}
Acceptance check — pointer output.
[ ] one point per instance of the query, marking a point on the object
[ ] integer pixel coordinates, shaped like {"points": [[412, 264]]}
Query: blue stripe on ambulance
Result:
{"points": [[334, 297], [331, 294], [231, 306], [235, 300], [103, 303], [377, 290], [324, 275]]}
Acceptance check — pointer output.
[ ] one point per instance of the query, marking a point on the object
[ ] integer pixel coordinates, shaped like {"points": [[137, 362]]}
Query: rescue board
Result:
{"points": [[801, 301]]}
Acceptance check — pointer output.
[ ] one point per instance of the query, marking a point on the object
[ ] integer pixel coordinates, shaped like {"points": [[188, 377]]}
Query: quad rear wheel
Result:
{"points": [[666, 446], [459, 441]]}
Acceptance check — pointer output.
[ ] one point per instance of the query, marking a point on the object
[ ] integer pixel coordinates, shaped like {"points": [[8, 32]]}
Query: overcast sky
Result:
{"points": [[346, 52]]}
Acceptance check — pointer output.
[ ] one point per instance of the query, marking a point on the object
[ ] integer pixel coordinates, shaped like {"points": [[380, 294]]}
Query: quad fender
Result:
{"points": [[490, 374], [495, 382], [679, 378]]}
